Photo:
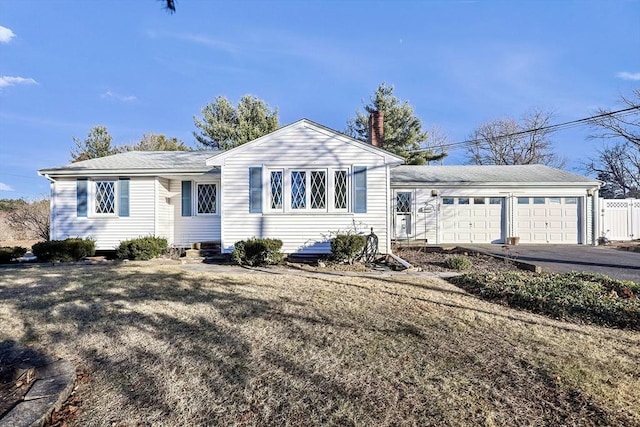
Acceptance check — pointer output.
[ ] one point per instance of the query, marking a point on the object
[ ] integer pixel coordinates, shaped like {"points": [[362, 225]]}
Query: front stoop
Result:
{"points": [[205, 252]]}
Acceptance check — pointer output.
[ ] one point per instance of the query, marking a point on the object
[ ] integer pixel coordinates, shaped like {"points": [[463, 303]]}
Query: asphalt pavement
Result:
{"points": [[617, 264]]}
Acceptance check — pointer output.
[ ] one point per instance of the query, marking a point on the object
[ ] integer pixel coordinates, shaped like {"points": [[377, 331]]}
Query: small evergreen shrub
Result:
{"points": [[345, 247], [257, 251], [458, 263], [8, 253], [73, 249], [142, 248]]}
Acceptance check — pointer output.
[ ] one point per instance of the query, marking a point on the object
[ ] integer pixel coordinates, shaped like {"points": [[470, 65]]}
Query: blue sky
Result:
{"points": [[67, 66]]}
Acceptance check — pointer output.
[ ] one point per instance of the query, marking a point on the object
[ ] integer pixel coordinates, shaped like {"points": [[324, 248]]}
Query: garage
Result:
{"points": [[548, 219], [472, 219], [490, 204]]}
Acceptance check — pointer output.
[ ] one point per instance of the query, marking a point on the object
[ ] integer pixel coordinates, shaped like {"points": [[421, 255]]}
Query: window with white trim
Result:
{"points": [[298, 189], [199, 198], [105, 197], [207, 199], [340, 193], [275, 190], [318, 192]]}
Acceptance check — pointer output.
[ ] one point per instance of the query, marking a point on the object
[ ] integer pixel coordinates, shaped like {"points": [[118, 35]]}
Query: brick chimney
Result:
{"points": [[376, 128]]}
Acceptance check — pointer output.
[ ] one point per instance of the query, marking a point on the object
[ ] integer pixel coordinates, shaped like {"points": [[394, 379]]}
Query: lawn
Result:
{"points": [[166, 344]]}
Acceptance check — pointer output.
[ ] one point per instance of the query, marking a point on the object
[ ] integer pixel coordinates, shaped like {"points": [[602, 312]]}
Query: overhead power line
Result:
{"points": [[559, 126]]}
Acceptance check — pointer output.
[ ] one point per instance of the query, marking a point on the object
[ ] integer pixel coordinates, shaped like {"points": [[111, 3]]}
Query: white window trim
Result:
{"points": [[266, 199], [286, 190], [92, 193], [194, 198], [332, 190]]}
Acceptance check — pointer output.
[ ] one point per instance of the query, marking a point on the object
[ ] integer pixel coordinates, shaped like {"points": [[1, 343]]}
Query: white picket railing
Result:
{"points": [[620, 219]]}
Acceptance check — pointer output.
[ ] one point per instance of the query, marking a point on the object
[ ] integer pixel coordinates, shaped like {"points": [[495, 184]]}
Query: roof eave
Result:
{"points": [[55, 173]]}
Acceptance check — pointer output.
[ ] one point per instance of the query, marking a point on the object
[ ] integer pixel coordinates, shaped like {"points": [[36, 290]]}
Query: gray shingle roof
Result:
{"points": [[187, 161], [485, 174]]}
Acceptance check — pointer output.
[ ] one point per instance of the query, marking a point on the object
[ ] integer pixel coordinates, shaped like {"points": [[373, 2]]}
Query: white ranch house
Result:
{"points": [[303, 184]]}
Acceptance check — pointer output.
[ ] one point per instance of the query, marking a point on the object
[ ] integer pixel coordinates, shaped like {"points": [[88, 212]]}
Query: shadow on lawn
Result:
{"points": [[243, 378]]}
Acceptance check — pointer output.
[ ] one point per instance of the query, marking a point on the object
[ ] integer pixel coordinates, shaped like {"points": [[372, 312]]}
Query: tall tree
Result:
{"points": [[402, 129], [224, 126], [96, 144], [512, 142], [618, 160], [158, 142]]}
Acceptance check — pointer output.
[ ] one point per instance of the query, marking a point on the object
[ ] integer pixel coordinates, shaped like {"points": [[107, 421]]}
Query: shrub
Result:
{"points": [[458, 263], [345, 247], [257, 251], [8, 253], [73, 249], [142, 248], [579, 297]]}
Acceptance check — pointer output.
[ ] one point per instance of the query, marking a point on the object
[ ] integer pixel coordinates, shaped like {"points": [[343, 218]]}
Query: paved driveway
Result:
{"points": [[564, 258]]}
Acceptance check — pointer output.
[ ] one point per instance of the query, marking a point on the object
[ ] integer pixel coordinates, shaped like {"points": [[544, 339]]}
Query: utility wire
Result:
{"points": [[566, 125]]}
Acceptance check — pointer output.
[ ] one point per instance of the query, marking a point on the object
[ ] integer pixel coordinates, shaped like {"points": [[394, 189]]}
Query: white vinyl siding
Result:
{"points": [[107, 229], [198, 227], [308, 230]]}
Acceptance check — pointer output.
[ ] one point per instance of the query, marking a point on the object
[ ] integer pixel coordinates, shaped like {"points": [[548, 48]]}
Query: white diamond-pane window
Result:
{"points": [[276, 190], [318, 189], [403, 202], [340, 189], [105, 197], [298, 190], [207, 198]]}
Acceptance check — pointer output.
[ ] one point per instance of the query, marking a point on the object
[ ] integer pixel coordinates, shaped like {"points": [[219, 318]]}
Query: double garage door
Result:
{"points": [[547, 219], [483, 219]]}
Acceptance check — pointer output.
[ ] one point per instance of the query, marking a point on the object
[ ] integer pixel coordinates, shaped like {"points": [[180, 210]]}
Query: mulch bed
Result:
{"points": [[433, 259]]}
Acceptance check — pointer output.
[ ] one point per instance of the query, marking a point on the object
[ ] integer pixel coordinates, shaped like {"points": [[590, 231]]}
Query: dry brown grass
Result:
{"points": [[166, 344]]}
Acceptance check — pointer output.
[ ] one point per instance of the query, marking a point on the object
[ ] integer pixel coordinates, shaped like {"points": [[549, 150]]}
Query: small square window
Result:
{"points": [[523, 200], [538, 200], [554, 200], [571, 200], [463, 200], [447, 200], [495, 200], [478, 200]]}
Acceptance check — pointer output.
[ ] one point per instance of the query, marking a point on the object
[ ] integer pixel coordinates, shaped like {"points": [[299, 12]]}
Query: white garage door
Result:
{"points": [[547, 219], [472, 219]]}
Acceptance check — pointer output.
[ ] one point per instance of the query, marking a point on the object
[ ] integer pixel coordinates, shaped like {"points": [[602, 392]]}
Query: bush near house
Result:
{"points": [[579, 297], [345, 247], [73, 249], [258, 251], [142, 248], [9, 253]]}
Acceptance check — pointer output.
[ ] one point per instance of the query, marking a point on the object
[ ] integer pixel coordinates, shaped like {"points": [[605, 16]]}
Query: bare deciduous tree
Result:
{"points": [[512, 142], [30, 220], [618, 163]]}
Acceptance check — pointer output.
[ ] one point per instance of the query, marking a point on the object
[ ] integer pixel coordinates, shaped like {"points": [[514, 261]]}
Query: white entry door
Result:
{"points": [[472, 219], [403, 215], [547, 219]]}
